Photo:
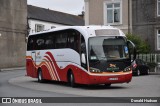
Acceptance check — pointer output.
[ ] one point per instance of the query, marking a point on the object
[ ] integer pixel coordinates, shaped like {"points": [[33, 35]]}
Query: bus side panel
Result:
{"points": [[34, 74], [30, 67], [46, 73], [77, 74], [76, 71], [62, 74], [63, 61], [50, 69], [63, 67], [83, 78]]}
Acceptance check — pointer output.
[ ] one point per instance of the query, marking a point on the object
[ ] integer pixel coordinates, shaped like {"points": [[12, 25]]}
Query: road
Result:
{"points": [[16, 84]]}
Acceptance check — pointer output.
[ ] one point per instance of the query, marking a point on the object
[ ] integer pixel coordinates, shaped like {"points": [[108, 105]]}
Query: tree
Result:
{"points": [[141, 45]]}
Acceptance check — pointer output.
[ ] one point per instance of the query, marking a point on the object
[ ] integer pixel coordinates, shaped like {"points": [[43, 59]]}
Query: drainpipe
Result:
{"points": [[129, 16]]}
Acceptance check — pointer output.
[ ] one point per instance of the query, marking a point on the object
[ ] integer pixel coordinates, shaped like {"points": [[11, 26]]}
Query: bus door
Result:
{"points": [[33, 54]]}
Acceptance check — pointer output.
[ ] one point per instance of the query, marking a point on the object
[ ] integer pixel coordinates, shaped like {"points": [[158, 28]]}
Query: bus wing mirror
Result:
{"points": [[132, 49], [83, 59]]}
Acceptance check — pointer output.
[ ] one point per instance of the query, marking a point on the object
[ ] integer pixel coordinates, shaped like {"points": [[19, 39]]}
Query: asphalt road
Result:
{"points": [[10, 90], [16, 84]]}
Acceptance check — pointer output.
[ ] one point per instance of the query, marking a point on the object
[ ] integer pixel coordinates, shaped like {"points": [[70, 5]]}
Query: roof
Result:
{"points": [[52, 16], [87, 31]]}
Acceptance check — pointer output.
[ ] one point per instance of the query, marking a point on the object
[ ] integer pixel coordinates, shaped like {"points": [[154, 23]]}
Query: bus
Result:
{"points": [[80, 55]]}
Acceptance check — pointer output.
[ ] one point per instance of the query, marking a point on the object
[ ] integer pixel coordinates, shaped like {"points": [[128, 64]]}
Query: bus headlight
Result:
{"points": [[94, 70], [127, 69]]}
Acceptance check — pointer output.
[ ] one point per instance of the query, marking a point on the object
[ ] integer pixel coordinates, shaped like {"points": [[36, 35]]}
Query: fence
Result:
{"points": [[151, 58]]}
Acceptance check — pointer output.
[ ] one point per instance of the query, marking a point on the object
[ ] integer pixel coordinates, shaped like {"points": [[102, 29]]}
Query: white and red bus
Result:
{"points": [[80, 55]]}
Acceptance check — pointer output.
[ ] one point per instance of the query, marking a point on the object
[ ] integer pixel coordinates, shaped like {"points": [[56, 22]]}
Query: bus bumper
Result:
{"points": [[125, 78]]}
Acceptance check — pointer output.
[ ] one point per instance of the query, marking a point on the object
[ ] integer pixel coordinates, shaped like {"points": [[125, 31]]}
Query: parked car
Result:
{"points": [[139, 67]]}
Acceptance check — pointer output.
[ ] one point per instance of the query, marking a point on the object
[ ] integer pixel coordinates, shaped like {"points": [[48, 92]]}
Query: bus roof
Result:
{"points": [[90, 31]]}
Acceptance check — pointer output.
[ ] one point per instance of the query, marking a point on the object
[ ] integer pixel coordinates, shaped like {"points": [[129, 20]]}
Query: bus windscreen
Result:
{"points": [[107, 48]]}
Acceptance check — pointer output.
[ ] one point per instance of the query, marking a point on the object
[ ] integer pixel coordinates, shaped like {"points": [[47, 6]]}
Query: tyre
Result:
{"points": [[71, 80], [147, 72], [107, 85], [40, 76], [138, 73]]}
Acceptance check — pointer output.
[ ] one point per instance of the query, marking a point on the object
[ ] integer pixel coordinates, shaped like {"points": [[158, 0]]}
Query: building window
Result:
{"points": [[158, 7], [158, 39], [39, 27], [113, 12]]}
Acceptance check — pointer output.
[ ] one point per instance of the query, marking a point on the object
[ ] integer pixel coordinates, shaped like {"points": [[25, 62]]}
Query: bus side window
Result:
{"points": [[78, 36], [83, 45], [61, 40], [74, 40], [40, 43], [31, 43], [49, 43], [83, 51]]}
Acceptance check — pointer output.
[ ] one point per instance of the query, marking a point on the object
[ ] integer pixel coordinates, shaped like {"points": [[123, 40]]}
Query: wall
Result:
{"points": [[94, 13], [13, 25], [47, 25], [145, 21]]}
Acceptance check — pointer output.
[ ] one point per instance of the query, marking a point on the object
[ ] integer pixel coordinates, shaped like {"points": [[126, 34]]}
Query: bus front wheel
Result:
{"points": [[71, 80]]}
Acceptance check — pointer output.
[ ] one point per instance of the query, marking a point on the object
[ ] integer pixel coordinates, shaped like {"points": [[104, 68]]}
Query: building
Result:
{"points": [[13, 25], [140, 17], [108, 12], [40, 19], [146, 21]]}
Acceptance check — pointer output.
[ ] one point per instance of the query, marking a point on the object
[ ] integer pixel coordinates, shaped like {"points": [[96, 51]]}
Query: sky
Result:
{"points": [[68, 6]]}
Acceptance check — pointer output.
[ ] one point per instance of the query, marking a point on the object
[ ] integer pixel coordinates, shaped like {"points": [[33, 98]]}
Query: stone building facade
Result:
{"points": [[13, 30], [140, 17], [108, 12], [146, 21]]}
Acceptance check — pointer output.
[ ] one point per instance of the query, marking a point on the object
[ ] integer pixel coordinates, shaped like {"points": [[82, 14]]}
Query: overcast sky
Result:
{"points": [[67, 6]]}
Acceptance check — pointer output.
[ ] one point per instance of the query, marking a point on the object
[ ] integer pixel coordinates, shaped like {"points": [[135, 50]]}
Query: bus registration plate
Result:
{"points": [[113, 79]]}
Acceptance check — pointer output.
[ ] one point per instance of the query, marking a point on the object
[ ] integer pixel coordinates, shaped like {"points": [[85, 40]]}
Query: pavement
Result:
{"points": [[143, 86], [14, 68], [138, 84], [16, 84]]}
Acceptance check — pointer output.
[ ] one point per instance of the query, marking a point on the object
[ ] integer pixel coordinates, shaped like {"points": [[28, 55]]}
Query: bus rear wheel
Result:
{"points": [[40, 76], [71, 80]]}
